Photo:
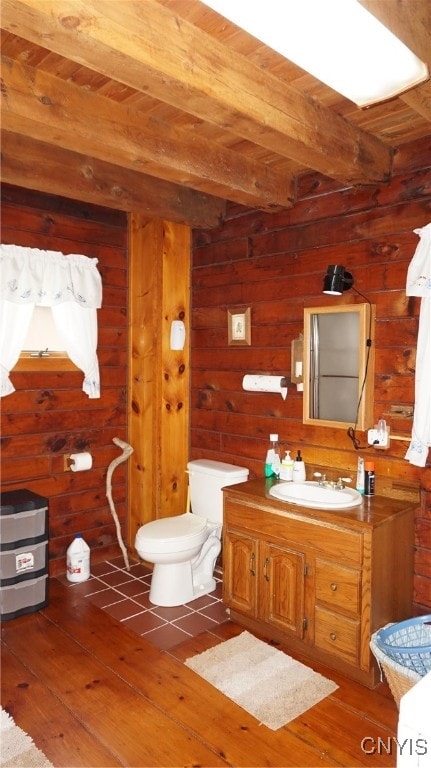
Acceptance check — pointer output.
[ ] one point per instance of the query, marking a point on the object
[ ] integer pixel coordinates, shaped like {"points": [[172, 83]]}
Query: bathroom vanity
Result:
{"points": [[319, 581]]}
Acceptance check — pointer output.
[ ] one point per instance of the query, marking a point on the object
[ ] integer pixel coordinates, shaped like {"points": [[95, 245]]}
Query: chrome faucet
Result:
{"points": [[321, 479], [339, 484]]}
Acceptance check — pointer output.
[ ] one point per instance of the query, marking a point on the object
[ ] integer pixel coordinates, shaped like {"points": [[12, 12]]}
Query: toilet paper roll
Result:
{"points": [[81, 461], [259, 383]]}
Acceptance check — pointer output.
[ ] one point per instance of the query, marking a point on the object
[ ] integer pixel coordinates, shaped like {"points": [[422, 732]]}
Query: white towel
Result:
{"points": [[419, 284]]}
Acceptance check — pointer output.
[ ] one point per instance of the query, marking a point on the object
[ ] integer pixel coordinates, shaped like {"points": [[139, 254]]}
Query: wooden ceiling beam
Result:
{"points": [[153, 50], [419, 99], [35, 165], [63, 114]]}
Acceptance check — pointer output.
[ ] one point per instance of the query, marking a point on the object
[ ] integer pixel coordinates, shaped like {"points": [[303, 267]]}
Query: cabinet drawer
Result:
{"points": [[337, 634], [290, 528], [338, 587]]}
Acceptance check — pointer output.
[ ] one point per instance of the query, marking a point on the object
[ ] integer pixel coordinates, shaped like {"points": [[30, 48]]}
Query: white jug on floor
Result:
{"points": [[78, 560]]}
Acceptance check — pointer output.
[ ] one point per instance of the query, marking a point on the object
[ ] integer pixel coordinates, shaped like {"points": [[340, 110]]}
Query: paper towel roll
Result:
{"points": [[259, 383], [81, 461]]}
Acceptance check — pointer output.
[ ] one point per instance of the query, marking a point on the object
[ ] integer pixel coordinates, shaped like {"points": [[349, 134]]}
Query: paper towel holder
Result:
{"points": [[259, 382]]}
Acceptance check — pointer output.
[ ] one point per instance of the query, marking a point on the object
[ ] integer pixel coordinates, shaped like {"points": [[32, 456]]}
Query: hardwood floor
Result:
{"points": [[92, 693]]}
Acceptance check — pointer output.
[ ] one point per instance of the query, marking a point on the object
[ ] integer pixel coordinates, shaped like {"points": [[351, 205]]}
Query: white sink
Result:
{"points": [[310, 494]]}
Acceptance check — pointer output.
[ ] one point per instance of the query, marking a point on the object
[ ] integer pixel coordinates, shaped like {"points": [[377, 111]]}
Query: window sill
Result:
{"points": [[57, 361]]}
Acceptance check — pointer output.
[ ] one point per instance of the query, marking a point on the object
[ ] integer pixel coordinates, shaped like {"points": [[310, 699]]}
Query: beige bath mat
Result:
{"points": [[264, 681], [17, 749]]}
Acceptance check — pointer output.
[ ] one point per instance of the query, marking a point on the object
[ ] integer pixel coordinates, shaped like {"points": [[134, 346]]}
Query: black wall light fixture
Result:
{"points": [[337, 280]]}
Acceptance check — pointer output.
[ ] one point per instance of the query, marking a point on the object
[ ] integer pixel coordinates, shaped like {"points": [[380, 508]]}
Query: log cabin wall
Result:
{"points": [[274, 264], [49, 416]]}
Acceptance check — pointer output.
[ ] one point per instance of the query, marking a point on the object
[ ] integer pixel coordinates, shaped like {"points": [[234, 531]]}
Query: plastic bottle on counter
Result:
{"points": [[78, 560], [273, 457], [369, 480], [286, 472], [298, 473], [360, 477]]}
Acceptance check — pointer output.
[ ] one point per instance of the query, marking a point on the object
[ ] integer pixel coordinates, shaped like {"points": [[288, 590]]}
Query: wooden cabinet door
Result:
{"points": [[240, 560], [281, 596]]}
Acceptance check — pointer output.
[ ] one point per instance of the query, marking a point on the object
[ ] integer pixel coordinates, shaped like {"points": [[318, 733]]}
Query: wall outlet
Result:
{"points": [[379, 438]]}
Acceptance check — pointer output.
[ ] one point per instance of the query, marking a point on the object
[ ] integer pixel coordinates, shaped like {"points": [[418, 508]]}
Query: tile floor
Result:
{"points": [[124, 595]]}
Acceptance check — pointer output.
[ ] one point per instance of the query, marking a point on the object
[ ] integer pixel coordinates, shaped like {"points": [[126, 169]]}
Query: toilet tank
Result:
{"points": [[206, 480]]}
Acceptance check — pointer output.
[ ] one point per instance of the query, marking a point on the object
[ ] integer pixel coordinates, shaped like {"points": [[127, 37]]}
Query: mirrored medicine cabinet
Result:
{"points": [[339, 366]]}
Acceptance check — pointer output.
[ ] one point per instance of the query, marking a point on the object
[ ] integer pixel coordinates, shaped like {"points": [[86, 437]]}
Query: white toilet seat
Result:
{"points": [[179, 533]]}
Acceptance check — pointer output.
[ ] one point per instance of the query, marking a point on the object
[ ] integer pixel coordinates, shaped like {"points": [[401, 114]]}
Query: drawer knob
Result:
{"points": [[334, 586], [333, 635]]}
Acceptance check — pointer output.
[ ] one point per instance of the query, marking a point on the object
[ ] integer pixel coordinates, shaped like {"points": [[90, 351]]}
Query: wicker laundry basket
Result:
{"points": [[403, 652]]}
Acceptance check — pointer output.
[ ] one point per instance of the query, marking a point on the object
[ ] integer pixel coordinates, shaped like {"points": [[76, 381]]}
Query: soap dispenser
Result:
{"points": [[298, 473], [286, 472]]}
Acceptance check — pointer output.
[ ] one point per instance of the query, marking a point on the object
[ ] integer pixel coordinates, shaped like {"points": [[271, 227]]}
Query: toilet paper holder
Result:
{"points": [[69, 461]]}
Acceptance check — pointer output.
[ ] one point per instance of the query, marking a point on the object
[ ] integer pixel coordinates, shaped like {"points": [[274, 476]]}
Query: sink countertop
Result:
{"points": [[373, 511]]}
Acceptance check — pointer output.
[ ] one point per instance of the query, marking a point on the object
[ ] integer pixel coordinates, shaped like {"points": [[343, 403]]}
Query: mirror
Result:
{"points": [[339, 366]]}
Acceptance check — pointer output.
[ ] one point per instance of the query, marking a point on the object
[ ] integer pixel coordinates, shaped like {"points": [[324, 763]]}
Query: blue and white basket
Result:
{"points": [[403, 652], [408, 643]]}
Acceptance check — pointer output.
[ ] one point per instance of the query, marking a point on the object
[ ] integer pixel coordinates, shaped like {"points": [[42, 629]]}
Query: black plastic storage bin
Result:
{"points": [[23, 553]]}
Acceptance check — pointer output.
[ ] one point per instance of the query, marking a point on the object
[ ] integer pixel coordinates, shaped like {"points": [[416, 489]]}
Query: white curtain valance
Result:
{"points": [[47, 278], [71, 285]]}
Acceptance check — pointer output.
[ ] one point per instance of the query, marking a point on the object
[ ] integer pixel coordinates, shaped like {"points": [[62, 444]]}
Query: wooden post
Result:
{"points": [[159, 292]]}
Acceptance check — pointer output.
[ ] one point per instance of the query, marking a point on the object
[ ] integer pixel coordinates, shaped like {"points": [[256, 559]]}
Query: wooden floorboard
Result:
{"points": [[92, 693], [58, 731]]}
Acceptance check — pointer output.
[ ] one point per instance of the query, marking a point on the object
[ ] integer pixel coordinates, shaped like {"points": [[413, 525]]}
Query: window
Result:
{"points": [[70, 287], [43, 348]]}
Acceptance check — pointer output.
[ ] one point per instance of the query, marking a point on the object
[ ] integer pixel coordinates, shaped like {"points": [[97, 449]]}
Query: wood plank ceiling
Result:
{"points": [[163, 107]]}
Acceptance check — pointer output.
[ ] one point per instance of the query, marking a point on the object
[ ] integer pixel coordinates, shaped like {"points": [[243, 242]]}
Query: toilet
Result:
{"points": [[184, 548]]}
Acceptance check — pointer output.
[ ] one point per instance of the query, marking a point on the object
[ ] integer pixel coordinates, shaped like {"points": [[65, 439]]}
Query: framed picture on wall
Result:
{"points": [[239, 326]]}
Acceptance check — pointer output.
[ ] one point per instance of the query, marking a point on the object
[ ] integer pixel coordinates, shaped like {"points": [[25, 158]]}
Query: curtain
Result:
{"points": [[14, 323], [78, 328], [71, 285], [419, 284]]}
